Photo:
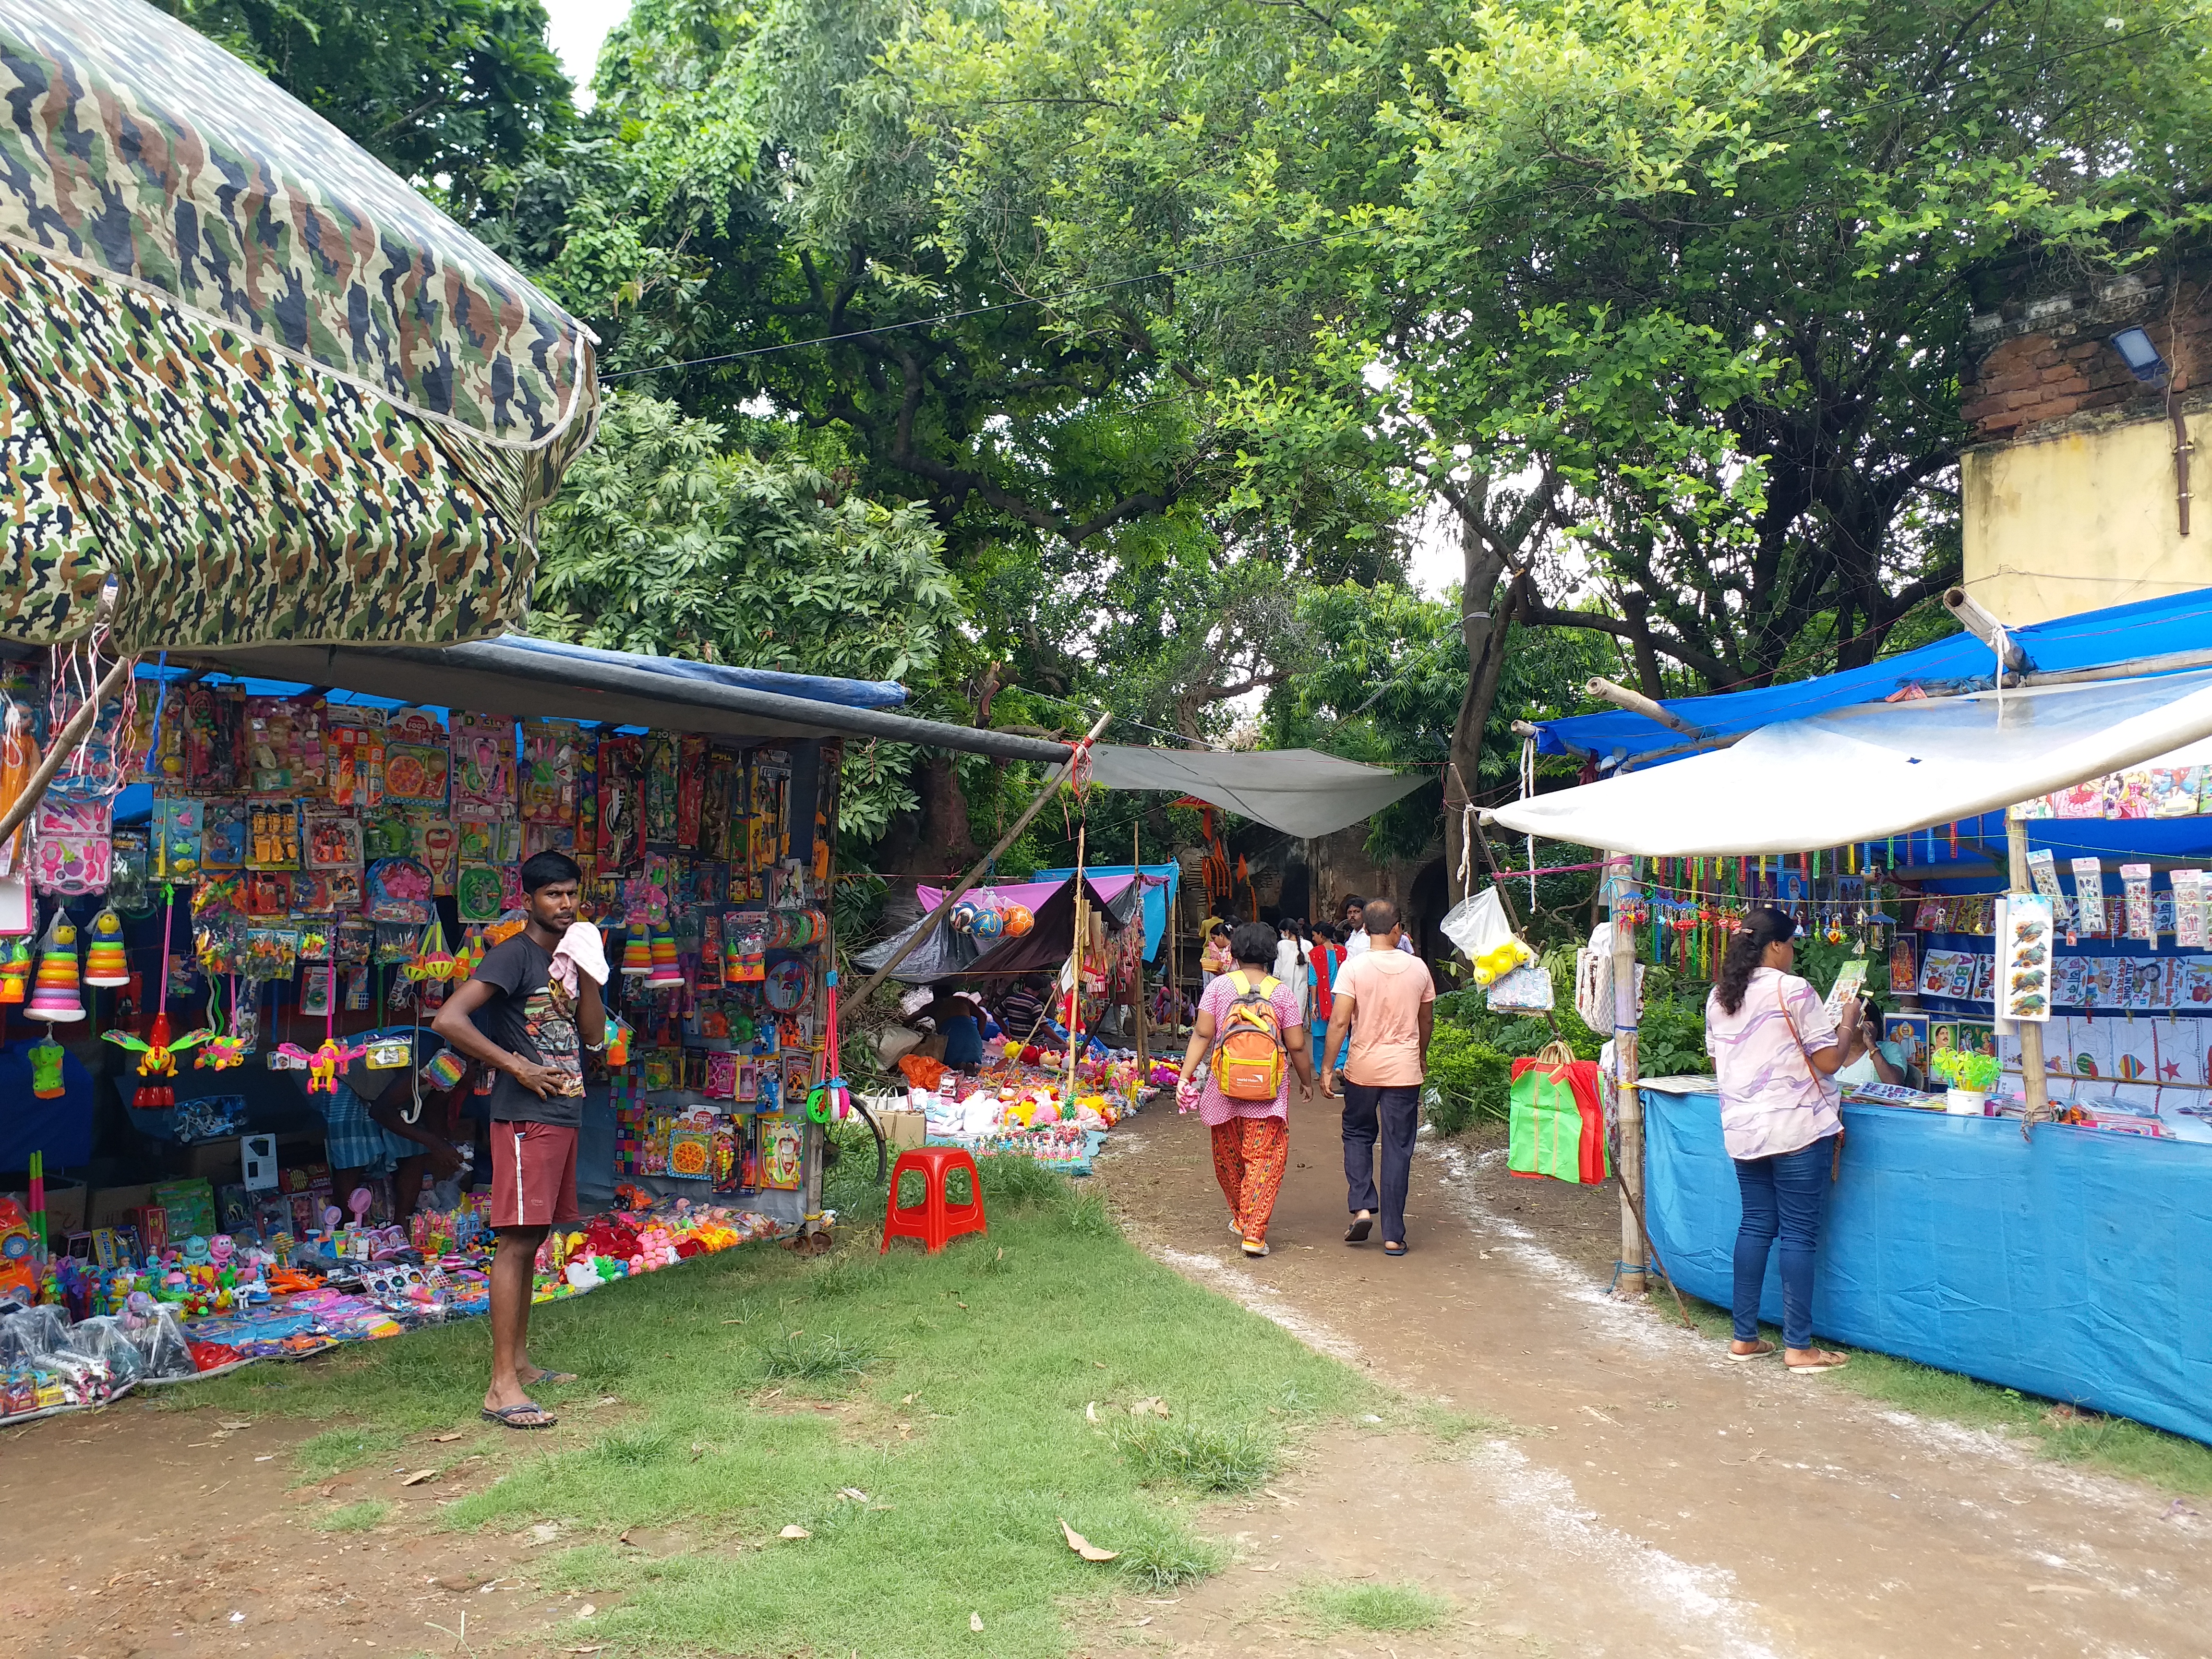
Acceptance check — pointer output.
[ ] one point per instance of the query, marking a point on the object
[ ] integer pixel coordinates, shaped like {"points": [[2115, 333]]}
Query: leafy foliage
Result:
{"points": [[662, 540], [449, 93]]}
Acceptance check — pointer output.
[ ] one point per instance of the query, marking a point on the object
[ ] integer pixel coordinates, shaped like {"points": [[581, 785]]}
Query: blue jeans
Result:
{"points": [[1781, 1196]]}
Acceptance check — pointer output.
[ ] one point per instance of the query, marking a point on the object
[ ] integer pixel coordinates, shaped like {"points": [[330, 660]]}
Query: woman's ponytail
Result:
{"points": [[1763, 925]]}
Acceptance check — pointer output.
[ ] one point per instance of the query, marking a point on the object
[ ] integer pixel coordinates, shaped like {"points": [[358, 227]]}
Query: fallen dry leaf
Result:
{"points": [[440, 1440], [596, 1647], [975, 1621], [794, 1532], [233, 1425], [1091, 1412], [1150, 1405], [586, 1610], [419, 1477], [1083, 1547], [853, 1492]]}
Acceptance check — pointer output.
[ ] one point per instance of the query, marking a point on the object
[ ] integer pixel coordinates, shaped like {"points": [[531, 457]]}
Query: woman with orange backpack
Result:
{"points": [[1251, 1037]]}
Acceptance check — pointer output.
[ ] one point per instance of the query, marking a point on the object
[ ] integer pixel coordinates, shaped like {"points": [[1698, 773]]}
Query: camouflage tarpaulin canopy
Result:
{"points": [[247, 373]]}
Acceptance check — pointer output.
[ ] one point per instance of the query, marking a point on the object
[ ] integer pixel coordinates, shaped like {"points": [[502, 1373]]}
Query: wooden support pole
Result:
{"points": [[1137, 988], [1636, 704], [1632, 1280], [63, 743], [1059, 776], [2035, 1078], [1075, 961]]}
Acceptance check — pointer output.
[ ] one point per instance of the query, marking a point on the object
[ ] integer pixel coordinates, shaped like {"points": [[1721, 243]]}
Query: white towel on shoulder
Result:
{"points": [[581, 948]]}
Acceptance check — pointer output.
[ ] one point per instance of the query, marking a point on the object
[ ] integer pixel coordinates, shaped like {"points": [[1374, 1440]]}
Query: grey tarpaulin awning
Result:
{"points": [[1301, 792], [523, 677]]}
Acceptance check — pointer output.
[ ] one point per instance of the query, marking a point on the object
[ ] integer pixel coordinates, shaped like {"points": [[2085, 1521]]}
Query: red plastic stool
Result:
{"points": [[934, 1221]]}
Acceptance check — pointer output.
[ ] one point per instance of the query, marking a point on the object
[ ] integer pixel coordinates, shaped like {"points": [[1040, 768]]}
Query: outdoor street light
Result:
{"points": [[2139, 354]]}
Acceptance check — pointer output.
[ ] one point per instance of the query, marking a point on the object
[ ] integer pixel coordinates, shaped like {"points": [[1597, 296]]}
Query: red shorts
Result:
{"points": [[533, 1174]]}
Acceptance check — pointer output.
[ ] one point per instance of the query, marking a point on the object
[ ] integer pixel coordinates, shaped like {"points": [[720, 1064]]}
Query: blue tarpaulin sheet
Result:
{"points": [[2095, 639], [2077, 1266], [1160, 881]]}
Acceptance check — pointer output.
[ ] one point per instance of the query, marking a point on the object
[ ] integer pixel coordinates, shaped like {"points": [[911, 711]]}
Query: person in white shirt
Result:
{"points": [[1290, 966], [1355, 928]]}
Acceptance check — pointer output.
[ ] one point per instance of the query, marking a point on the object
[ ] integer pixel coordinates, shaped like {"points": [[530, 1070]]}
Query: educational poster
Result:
{"points": [[2104, 983], [1850, 979], [2196, 985], [2146, 981], [2134, 1050], [2085, 799], [2174, 791], [2024, 981], [1910, 1033], [2068, 977], [2089, 1048], [1971, 1036], [2180, 1046]]}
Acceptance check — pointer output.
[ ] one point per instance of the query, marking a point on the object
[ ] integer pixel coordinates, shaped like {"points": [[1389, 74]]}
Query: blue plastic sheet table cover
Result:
{"points": [[2077, 1265]]}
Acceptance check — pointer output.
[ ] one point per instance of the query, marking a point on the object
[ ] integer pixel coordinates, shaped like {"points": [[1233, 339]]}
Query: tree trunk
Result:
{"points": [[947, 839], [1485, 616]]}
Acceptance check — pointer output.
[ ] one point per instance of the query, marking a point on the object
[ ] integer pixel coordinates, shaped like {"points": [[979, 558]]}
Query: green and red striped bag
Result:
{"points": [[1556, 1121]]}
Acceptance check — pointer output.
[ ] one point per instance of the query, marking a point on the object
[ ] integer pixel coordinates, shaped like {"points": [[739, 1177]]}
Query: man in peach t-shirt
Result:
{"points": [[1386, 1000]]}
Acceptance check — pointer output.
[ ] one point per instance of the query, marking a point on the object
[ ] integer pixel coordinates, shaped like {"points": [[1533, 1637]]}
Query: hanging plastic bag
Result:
{"points": [[1524, 990], [1478, 926]]}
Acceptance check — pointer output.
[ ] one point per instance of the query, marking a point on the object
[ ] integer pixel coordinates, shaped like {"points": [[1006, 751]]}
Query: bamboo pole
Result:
{"points": [[867, 988], [1137, 989], [1075, 960], [64, 741], [2035, 1076], [1631, 1280]]}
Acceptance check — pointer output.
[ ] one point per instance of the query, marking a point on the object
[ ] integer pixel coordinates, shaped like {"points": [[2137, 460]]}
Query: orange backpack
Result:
{"points": [[1249, 1057]]}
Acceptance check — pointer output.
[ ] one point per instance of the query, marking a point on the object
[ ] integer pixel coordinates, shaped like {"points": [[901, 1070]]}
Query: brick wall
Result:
{"points": [[2047, 361]]}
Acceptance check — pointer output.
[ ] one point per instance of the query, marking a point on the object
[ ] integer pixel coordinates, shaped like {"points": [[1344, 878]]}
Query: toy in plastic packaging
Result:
{"points": [[127, 873], [271, 953], [154, 1329], [788, 982], [1478, 926], [72, 846], [399, 891], [782, 1153], [14, 970], [178, 827], [54, 993], [482, 782], [443, 1070], [2134, 888], [2088, 899], [103, 1340], [745, 947], [273, 836], [105, 962], [417, 761], [1526, 989]]}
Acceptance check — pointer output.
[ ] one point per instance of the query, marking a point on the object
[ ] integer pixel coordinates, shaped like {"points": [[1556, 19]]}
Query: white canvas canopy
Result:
{"points": [[1874, 770], [1301, 792]]}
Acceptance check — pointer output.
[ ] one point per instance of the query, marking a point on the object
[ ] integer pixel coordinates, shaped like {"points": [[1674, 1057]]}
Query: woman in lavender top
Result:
{"points": [[1775, 1054]]}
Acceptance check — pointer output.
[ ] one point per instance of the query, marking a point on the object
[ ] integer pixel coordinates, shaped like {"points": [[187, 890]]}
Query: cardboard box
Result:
{"points": [[111, 1205], [65, 1201], [903, 1130]]}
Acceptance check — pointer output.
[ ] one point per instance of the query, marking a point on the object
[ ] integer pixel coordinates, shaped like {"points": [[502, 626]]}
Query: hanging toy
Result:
{"points": [[963, 918], [1017, 920], [46, 1056], [831, 1100], [471, 954], [219, 1052], [333, 1057], [667, 971], [14, 971], [432, 960], [54, 995], [637, 954], [157, 1055], [104, 960], [745, 947]]}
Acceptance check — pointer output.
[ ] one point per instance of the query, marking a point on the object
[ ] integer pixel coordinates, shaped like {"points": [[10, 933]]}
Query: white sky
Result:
{"points": [[578, 27]]}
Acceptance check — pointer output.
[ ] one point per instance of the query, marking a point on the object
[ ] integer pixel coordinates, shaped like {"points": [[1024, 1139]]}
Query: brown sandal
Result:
{"points": [[1761, 1351], [1824, 1359]]}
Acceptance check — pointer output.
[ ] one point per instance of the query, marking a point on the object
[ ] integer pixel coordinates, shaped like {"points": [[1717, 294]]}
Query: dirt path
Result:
{"points": [[1659, 1499]]}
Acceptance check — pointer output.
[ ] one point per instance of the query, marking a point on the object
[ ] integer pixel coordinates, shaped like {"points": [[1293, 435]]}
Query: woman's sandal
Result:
{"points": [[1824, 1359], [1357, 1231], [1761, 1351], [1394, 1249]]}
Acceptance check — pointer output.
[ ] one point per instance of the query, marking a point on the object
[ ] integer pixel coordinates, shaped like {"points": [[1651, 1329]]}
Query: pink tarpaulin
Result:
{"points": [[1027, 894]]}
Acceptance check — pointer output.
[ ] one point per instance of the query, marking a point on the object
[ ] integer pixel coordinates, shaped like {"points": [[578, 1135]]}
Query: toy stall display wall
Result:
{"points": [[2072, 1261], [315, 873]]}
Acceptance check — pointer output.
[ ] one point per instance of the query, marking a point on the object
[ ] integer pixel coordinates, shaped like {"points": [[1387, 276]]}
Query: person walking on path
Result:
{"points": [[1252, 1039], [531, 1012], [1385, 1000], [1775, 1054], [1326, 958]]}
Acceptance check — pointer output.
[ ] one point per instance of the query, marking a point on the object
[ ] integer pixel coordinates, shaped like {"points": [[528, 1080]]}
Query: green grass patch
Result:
{"points": [[354, 1517], [1383, 1608], [347, 1447], [950, 1394], [2111, 1445]]}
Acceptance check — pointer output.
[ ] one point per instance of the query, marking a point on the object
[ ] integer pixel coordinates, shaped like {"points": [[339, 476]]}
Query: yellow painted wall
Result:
{"points": [[2058, 525]]}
